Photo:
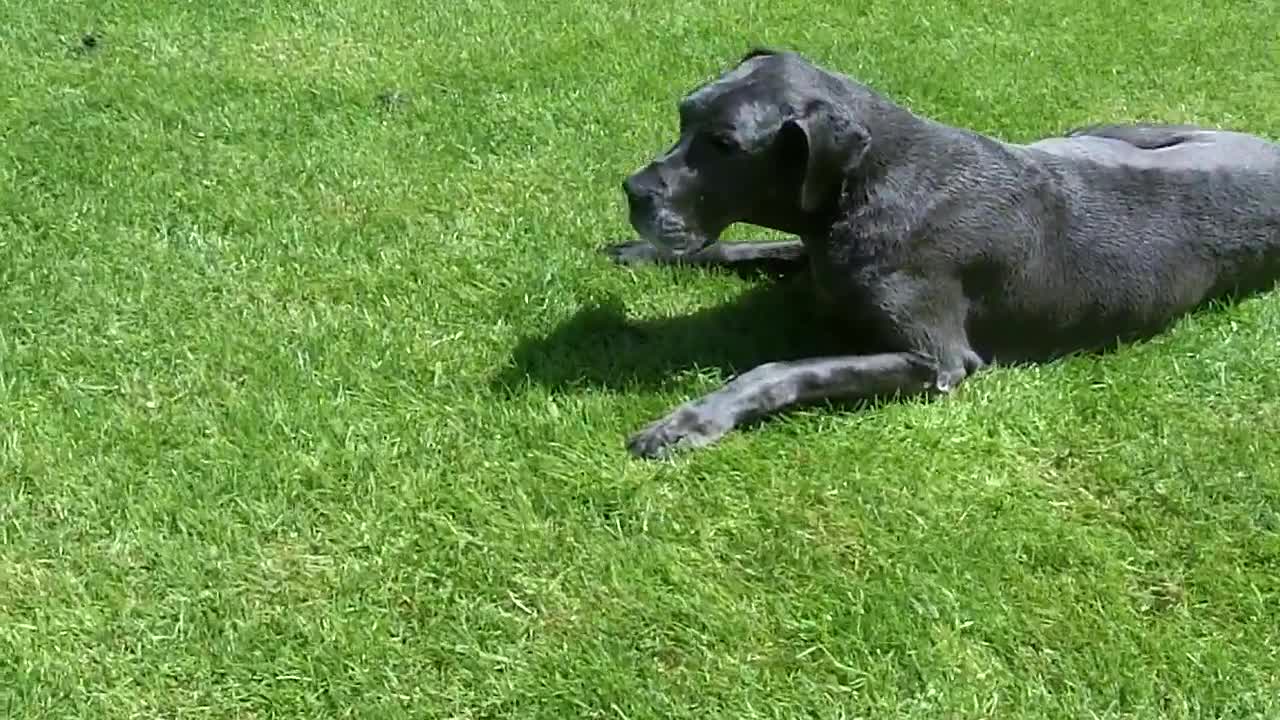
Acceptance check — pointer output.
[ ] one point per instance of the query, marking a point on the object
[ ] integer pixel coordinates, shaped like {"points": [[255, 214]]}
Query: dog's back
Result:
{"points": [[1165, 146]]}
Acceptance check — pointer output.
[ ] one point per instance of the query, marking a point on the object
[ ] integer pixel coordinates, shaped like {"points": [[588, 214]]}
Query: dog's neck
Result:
{"points": [[895, 131]]}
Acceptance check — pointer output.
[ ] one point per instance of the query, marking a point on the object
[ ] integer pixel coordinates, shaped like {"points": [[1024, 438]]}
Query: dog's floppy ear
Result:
{"points": [[834, 145]]}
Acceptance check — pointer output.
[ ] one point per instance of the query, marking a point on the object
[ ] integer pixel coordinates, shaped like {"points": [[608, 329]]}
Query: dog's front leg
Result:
{"points": [[770, 256], [774, 386]]}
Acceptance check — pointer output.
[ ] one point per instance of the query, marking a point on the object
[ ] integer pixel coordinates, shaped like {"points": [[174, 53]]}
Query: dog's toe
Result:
{"points": [[634, 252], [681, 430], [656, 441], [648, 445]]}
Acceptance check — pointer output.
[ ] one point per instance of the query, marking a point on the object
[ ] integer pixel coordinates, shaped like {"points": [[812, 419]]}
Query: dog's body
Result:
{"points": [[953, 249], [1065, 244]]}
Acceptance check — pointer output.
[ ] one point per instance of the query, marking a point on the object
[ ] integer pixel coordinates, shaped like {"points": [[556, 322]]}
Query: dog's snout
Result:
{"points": [[640, 195]]}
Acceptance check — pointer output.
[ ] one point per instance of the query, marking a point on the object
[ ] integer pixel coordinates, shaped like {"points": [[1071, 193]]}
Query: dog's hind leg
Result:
{"points": [[777, 257]]}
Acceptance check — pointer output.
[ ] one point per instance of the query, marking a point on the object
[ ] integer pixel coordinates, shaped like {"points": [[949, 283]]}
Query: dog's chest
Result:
{"points": [[844, 280]]}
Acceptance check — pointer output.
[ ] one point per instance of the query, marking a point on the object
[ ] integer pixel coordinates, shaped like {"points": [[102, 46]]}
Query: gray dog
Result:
{"points": [[954, 250]]}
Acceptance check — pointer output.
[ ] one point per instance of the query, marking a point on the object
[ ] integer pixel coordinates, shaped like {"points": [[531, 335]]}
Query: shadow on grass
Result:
{"points": [[601, 347]]}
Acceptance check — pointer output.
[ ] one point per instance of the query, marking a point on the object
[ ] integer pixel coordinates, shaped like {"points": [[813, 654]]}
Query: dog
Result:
{"points": [[947, 250]]}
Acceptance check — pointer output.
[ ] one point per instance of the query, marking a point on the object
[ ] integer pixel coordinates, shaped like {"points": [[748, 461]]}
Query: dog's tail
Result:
{"points": [[1147, 136]]}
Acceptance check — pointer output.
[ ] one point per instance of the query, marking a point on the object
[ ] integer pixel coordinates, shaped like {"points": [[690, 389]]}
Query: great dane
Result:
{"points": [[955, 250]]}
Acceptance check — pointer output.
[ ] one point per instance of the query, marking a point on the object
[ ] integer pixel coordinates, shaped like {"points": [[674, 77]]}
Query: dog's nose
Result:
{"points": [[643, 185], [631, 187], [639, 196]]}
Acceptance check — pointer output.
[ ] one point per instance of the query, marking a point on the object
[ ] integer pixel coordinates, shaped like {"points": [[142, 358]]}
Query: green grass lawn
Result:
{"points": [[313, 387]]}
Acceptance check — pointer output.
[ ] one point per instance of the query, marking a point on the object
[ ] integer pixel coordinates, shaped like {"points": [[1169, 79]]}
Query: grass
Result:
{"points": [[313, 387]]}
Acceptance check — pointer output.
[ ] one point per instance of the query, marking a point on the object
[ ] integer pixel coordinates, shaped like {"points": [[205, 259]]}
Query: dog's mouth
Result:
{"points": [[678, 246], [670, 233]]}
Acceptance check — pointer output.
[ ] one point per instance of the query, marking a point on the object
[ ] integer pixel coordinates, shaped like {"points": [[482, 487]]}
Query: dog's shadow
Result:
{"points": [[601, 347]]}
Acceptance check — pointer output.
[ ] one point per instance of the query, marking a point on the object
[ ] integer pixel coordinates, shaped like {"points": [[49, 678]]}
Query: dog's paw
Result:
{"points": [[683, 429], [634, 252]]}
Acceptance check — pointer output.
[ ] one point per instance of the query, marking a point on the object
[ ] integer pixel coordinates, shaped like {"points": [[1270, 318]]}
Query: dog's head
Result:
{"points": [[769, 142]]}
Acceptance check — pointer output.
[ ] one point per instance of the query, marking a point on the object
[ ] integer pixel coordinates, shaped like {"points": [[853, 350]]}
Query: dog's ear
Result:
{"points": [[833, 144]]}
